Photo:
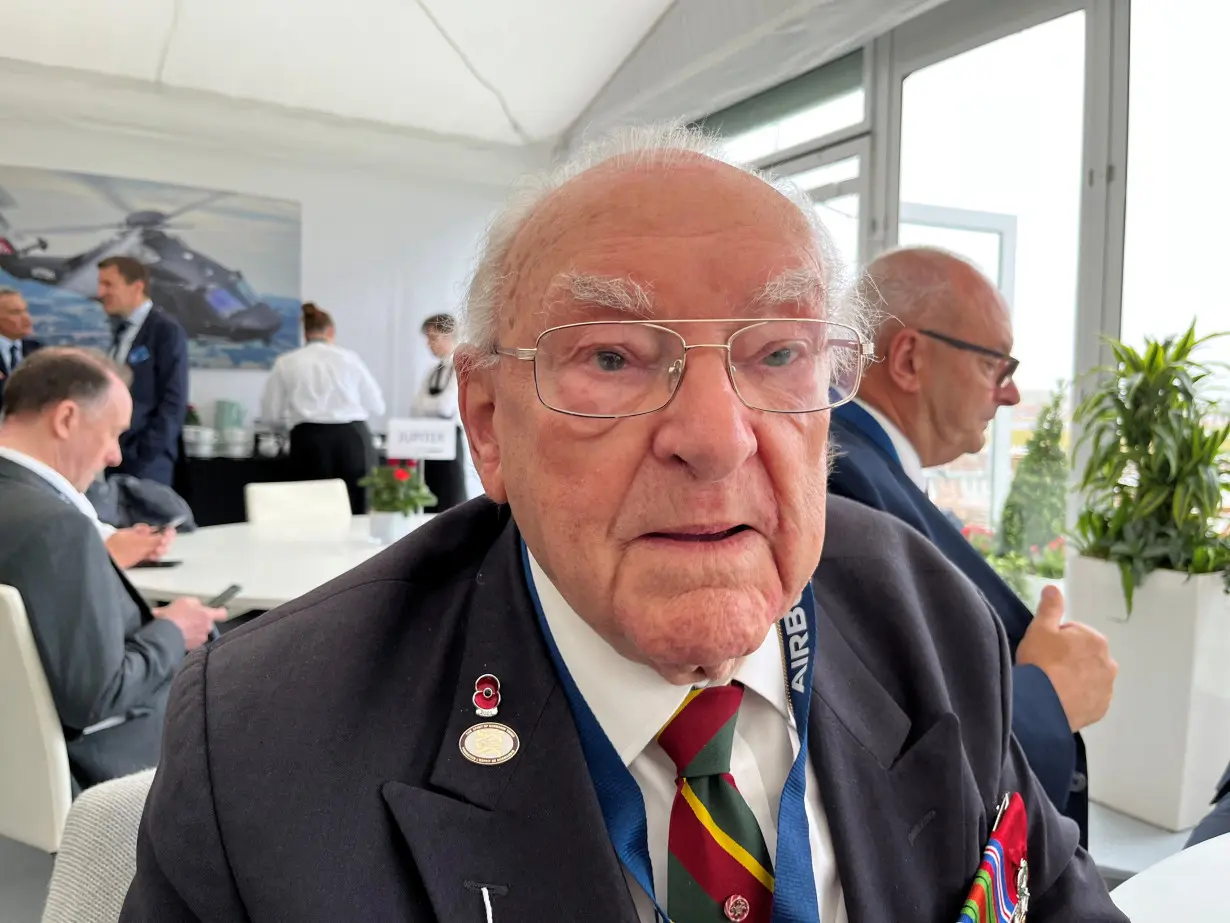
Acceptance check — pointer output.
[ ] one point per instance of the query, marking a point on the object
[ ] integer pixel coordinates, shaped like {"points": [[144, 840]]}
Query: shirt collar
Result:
{"points": [[631, 701], [6, 344], [137, 317], [906, 452], [61, 484]]}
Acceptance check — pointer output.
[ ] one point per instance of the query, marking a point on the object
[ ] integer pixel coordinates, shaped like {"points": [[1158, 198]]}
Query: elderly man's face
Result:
{"points": [[15, 323], [681, 535]]}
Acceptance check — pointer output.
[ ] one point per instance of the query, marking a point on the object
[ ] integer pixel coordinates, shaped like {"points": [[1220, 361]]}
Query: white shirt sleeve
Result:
{"points": [[369, 391], [273, 399]]}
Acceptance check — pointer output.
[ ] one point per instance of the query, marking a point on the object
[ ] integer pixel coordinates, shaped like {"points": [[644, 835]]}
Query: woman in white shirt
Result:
{"points": [[437, 397], [325, 395]]}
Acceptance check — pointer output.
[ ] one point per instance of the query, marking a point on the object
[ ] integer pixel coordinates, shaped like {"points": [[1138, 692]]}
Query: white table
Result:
{"points": [[1185, 886], [272, 566]]}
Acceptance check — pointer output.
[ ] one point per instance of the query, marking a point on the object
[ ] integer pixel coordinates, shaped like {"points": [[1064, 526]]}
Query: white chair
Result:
{"points": [[98, 855], [316, 507], [35, 783]]}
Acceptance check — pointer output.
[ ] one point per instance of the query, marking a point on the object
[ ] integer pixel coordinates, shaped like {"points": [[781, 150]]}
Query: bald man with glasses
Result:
{"points": [[943, 369]]}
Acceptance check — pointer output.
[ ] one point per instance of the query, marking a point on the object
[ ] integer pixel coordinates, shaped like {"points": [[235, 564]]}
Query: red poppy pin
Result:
{"points": [[487, 695]]}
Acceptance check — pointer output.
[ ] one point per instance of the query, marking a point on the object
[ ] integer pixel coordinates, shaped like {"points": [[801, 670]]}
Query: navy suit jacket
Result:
{"points": [[159, 363], [27, 346], [867, 470]]}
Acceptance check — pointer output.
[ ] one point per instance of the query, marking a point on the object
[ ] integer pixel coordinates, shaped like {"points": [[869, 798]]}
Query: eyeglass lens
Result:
{"points": [[612, 369]]}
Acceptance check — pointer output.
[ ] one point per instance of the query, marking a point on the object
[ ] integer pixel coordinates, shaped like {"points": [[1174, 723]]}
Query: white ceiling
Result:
{"points": [[511, 71]]}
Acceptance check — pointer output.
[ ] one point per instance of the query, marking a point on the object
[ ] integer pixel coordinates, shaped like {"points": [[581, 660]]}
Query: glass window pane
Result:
{"points": [[811, 124], [840, 217], [1178, 192], [993, 135], [837, 172]]}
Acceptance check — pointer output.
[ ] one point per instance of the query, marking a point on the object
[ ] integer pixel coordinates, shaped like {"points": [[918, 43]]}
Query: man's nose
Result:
{"points": [[706, 426], [1009, 394]]}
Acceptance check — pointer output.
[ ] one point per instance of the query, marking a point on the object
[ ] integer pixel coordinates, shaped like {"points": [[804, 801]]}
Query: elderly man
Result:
{"points": [[109, 660], [615, 691], [16, 331], [944, 340]]}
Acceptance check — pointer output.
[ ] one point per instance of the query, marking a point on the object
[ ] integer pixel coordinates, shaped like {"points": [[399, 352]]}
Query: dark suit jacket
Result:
{"points": [[864, 471], [28, 346], [312, 770], [159, 363], [104, 654], [1217, 822]]}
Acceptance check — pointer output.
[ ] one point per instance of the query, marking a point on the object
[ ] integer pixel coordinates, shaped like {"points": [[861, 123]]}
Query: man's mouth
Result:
{"points": [[700, 533]]}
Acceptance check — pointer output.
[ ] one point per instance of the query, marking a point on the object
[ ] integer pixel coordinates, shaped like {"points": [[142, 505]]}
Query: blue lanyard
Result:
{"points": [[855, 416], [623, 807]]}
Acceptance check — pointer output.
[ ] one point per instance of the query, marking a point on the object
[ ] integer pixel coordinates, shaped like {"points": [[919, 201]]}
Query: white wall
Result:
{"points": [[390, 221]]}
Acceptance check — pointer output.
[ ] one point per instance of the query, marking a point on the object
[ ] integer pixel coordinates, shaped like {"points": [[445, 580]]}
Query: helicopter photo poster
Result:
{"points": [[224, 265]]}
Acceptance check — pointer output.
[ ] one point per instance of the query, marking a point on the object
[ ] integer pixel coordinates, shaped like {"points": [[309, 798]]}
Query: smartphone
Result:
{"points": [[158, 564], [224, 597], [173, 524]]}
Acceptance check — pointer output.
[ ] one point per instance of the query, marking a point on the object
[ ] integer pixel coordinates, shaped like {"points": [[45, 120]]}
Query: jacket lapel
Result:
{"points": [[893, 801], [529, 829]]}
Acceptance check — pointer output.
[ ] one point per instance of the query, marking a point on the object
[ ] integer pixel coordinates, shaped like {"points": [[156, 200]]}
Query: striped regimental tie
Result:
{"points": [[719, 867]]}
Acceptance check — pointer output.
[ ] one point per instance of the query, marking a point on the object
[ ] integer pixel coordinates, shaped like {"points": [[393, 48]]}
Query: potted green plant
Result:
{"points": [[1151, 572], [398, 496], [1032, 524]]}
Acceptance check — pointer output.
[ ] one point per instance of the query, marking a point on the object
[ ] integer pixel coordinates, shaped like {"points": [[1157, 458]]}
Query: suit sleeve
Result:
{"points": [[1041, 727], [1064, 882], [165, 423], [94, 671], [182, 873]]}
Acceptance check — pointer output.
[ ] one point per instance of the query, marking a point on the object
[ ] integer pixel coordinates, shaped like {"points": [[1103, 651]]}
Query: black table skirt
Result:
{"points": [[214, 487]]}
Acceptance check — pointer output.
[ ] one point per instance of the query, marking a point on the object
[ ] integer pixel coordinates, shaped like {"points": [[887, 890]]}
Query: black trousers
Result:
{"points": [[447, 480], [322, 451]]}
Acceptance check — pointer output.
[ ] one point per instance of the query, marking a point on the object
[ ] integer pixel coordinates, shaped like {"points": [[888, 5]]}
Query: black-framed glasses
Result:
{"points": [[1008, 365], [613, 369]]}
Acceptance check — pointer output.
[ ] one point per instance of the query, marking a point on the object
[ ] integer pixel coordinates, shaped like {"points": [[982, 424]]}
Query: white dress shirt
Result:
{"points": [[320, 383], [62, 485], [135, 320], [632, 702], [443, 403], [905, 449], [6, 354]]}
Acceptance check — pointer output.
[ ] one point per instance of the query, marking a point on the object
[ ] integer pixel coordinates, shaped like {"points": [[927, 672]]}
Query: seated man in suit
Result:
{"points": [[155, 347], [109, 660], [627, 685], [15, 334], [1217, 822], [943, 339]]}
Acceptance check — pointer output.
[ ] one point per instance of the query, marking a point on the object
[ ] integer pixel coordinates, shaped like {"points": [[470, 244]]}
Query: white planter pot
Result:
{"points": [[1160, 750], [387, 528]]}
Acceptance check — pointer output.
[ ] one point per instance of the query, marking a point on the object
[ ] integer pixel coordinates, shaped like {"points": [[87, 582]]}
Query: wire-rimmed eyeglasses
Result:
{"points": [[612, 369]]}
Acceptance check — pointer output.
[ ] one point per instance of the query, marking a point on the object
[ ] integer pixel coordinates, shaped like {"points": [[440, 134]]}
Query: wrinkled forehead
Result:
{"points": [[694, 234], [12, 304]]}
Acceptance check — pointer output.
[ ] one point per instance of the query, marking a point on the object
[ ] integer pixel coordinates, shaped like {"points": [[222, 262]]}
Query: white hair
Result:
{"points": [[662, 146]]}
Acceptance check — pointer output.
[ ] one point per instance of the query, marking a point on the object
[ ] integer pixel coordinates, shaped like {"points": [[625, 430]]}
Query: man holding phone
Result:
{"points": [[109, 658], [139, 544]]}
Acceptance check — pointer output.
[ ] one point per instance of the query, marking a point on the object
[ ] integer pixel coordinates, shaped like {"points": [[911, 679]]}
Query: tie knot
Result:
{"points": [[699, 737]]}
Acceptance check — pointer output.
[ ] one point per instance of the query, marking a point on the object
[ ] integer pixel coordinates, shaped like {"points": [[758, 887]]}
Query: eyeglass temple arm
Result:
{"points": [[521, 352]]}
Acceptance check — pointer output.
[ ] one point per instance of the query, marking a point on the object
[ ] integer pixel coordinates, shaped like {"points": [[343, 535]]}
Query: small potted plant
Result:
{"points": [[398, 496], [1151, 571]]}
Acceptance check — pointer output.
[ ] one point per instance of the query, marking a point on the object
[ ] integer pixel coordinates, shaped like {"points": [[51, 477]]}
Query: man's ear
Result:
{"points": [[62, 418], [476, 397], [904, 359]]}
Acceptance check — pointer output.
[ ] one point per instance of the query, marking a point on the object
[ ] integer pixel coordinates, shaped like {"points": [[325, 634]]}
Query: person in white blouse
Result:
{"points": [[437, 397], [325, 395]]}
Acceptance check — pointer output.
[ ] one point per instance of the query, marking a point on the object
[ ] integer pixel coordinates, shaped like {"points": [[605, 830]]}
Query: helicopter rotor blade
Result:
{"points": [[82, 229], [200, 203], [104, 189]]}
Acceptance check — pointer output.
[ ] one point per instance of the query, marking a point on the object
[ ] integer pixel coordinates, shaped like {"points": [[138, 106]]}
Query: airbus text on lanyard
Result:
{"points": [[623, 807]]}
